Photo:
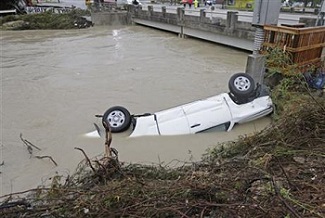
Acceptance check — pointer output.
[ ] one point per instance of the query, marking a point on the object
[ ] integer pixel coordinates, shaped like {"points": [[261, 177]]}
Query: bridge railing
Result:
{"points": [[212, 12]]}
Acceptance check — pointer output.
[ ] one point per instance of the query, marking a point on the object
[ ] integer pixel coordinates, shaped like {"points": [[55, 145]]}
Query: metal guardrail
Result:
{"points": [[3, 12]]}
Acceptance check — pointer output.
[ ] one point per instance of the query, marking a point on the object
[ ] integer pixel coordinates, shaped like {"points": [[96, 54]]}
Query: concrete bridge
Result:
{"points": [[226, 29]]}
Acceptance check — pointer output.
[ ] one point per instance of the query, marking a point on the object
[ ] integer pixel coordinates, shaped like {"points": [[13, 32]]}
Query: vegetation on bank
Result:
{"points": [[46, 20], [278, 172]]}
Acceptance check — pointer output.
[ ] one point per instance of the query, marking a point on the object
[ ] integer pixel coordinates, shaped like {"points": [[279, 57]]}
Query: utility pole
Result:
{"points": [[320, 18], [265, 12]]}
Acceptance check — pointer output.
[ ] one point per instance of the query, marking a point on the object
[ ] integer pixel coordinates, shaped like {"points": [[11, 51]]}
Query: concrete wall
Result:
{"points": [[230, 32], [111, 18]]}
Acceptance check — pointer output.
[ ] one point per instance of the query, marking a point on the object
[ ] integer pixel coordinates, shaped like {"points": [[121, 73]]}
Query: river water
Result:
{"points": [[53, 82]]}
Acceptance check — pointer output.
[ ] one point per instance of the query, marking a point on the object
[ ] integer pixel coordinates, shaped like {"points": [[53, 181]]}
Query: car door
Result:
{"points": [[172, 121], [206, 114]]}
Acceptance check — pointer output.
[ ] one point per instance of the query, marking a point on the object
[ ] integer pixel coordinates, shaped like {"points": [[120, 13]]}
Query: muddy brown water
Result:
{"points": [[54, 82]]}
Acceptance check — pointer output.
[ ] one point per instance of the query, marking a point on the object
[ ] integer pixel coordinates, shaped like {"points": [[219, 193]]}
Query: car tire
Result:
{"points": [[241, 85], [118, 118]]}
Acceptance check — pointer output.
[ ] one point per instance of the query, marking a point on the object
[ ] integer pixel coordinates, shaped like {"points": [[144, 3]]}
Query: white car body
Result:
{"points": [[202, 115], [199, 116], [242, 104]]}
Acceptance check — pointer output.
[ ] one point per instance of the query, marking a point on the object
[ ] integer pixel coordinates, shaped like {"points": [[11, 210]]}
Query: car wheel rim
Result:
{"points": [[242, 83], [116, 118]]}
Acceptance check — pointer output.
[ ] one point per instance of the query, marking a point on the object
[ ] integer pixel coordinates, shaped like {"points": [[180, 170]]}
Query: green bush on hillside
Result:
{"points": [[47, 20]]}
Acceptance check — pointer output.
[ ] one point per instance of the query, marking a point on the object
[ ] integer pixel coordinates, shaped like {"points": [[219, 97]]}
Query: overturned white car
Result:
{"points": [[243, 103]]}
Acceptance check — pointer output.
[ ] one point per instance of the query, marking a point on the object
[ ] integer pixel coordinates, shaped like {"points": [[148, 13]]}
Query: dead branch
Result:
{"points": [[87, 159], [277, 192], [108, 139], [285, 174], [29, 145], [42, 157]]}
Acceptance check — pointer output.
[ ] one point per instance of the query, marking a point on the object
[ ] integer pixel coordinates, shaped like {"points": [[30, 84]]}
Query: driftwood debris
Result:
{"points": [[108, 164], [108, 140], [49, 157], [29, 145]]}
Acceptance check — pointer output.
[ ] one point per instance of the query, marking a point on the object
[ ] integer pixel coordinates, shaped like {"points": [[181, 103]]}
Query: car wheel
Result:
{"points": [[118, 118], [241, 85]]}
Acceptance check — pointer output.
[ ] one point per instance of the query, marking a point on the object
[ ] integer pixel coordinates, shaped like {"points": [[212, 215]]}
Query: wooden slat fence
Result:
{"points": [[304, 44]]}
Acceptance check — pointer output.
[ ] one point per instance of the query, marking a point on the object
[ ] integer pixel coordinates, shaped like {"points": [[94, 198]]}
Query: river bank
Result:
{"points": [[278, 171]]}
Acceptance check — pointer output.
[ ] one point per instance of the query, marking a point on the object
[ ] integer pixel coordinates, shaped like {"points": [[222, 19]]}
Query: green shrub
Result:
{"points": [[47, 20]]}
